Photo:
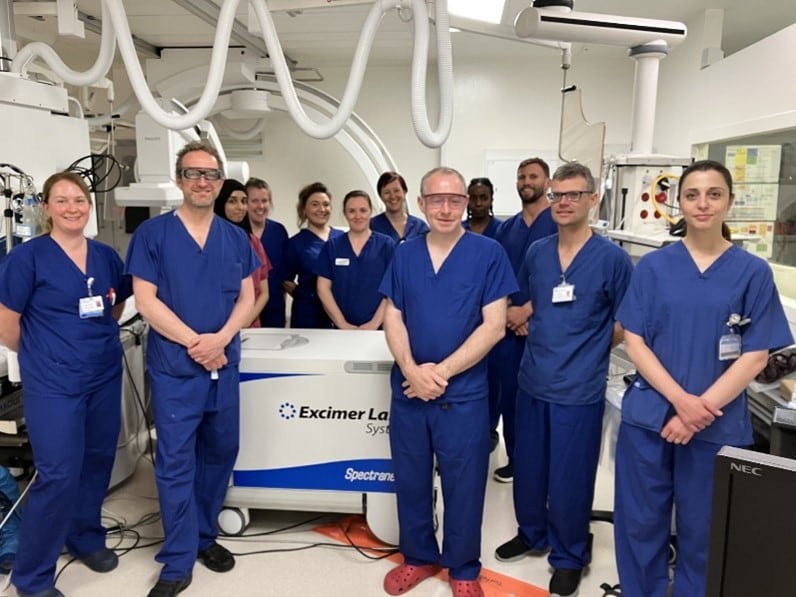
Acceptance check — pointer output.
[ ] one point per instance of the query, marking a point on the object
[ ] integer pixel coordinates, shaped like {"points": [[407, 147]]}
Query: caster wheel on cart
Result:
{"points": [[233, 521]]}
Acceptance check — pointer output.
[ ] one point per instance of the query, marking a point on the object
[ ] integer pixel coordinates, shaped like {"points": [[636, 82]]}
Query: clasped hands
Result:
{"points": [[693, 414], [427, 381], [208, 351]]}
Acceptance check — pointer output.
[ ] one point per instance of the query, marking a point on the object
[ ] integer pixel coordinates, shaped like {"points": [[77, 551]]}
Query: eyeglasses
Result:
{"points": [[210, 174], [571, 196], [439, 199]]}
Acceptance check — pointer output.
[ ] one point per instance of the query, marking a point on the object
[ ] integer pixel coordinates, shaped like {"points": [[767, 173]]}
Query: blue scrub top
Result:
{"points": [[441, 310], [356, 278], [491, 229], [568, 347], [274, 239], [682, 313], [301, 256], [200, 285], [516, 237], [414, 227], [60, 352]]}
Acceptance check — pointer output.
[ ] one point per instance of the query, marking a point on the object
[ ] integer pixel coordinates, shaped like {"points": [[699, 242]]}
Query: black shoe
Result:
{"points": [[103, 560], [514, 550], [217, 558], [494, 440], [565, 582], [169, 588], [504, 474], [53, 592]]}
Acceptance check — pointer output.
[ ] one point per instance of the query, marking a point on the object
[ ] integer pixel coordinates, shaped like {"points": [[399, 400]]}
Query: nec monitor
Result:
{"points": [[753, 525]]}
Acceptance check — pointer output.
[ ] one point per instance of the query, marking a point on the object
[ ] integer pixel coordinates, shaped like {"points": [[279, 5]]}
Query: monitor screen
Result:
{"points": [[753, 525]]}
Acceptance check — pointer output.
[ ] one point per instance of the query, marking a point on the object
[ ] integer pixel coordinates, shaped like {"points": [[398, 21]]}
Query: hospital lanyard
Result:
{"points": [[564, 292], [90, 306], [730, 344]]}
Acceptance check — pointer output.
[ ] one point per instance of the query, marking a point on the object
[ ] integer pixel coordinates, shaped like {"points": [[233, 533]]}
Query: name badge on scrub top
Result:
{"points": [[564, 292], [729, 347], [730, 344], [90, 306], [341, 261]]}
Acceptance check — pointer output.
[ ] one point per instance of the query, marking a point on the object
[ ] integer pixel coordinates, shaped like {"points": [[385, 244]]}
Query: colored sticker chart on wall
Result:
{"points": [[354, 530]]}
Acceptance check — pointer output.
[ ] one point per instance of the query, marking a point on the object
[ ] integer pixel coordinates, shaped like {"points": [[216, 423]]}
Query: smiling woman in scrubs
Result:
{"points": [[395, 222], [301, 255], [60, 296], [351, 266], [700, 317], [273, 236]]}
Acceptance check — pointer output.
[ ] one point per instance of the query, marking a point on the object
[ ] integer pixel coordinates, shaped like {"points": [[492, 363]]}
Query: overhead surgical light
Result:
{"points": [[555, 20]]}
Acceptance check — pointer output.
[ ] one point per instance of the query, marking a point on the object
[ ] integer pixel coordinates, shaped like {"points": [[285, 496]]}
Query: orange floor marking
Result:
{"points": [[493, 583]]}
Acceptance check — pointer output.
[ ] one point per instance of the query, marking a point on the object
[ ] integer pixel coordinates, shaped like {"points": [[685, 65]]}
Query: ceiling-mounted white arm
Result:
{"points": [[95, 73]]}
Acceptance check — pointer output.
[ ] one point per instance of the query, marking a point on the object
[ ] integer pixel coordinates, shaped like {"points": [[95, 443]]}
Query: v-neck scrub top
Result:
{"points": [[681, 313], [567, 350], [201, 285], [356, 278], [57, 348], [442, 309]]}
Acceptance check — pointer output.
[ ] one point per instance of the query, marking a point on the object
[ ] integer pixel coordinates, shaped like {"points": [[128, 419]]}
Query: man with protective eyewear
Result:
{"points": [[192, 278], [446, 307]]}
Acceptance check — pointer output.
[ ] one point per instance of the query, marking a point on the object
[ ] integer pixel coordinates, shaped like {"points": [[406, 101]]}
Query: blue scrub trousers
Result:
{"points": [[74, 445], [651, 476], [507, 357], [458, 435], [555, 466], [197, 421]]}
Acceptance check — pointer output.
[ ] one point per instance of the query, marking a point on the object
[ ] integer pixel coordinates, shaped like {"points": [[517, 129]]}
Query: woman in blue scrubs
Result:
{"points": [[273, 236], [480, 217], [700, 317], [351, 266], [301, 255], [60, 296], [396, 222], [232, 205]]}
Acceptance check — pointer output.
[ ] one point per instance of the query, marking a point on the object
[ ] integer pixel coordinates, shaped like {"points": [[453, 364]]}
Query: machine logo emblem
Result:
{"points": [[287, 410]]}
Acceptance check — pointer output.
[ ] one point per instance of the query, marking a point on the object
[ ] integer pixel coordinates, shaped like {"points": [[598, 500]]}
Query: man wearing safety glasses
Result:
{"points": [[446, 309], [192, 282]]}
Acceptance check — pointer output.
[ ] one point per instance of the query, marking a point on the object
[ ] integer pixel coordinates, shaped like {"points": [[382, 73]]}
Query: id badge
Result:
{"points": [[564, 293], [91, 306], [342, 261], [729, 347]]}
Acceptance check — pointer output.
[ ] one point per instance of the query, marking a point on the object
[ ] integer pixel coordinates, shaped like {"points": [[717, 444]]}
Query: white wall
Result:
{"points": [[749, 92], [506, 105]]}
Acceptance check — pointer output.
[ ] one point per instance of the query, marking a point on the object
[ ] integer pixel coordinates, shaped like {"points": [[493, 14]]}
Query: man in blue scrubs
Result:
{"points": [[446, 308], [517, 234], [192, 282], [575, 281]]}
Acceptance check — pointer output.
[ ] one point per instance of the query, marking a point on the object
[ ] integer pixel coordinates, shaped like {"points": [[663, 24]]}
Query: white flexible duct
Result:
{"points": [[84, 79], [445, 73], [356, 74], [120, 31], [138, 81]]}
